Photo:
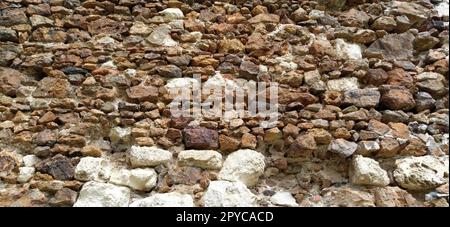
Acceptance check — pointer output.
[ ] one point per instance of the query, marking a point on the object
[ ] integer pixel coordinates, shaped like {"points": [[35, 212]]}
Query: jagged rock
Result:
{"points": [[64, 197], [366, 171], [342, 147], [96, 194], [392, 47], [161, 37], [59, 167], [393, 197], [398, 99], [137, 179], [93, 169], [243, 165], [421, 173], [228, 194]]}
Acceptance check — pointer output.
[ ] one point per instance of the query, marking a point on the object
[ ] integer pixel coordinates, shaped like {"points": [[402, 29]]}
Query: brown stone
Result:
{"points": [[59, 167], [143, 93], [228, 144], [201, 138], [64, 198], [398, 99], [47, 117], [393, 197], [303, 146], [389, 148], [248, 141]]}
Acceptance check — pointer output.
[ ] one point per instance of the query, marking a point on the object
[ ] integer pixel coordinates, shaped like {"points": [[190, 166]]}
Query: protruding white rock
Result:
{"points": [[171, 199], [140, 28], [442, 9], [243, 165], [284, 199], [148, 156], [366, 171], [206, 159], [185, 83], [228, 194], [96, 194], [30, 160], [421, 173], [161, 36], [172, 13], [119, 134], [93, 169], [346, 50], [25, 174], [343, 84], [137, 179]]}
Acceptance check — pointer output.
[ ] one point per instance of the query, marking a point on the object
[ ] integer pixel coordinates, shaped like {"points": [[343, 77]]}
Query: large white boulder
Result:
{"points": [[421, 173], [171, 199], [93, 169], [137, 179], [243, 165], [228, 194], [148, 156], [366, 171], [206, 159], [96, 194]]}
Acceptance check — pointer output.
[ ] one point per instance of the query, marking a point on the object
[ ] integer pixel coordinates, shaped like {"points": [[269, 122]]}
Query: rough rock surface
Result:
{"points": [[88, 89], [243, 165], [228, 194], [171, 199], [96, 194]]}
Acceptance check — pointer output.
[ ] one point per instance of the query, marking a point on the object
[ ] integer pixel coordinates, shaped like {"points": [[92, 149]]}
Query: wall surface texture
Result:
{"points": [[86, 88]]}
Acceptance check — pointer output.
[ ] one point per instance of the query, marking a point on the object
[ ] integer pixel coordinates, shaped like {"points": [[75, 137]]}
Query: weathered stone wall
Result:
{"points": [[85, 121]]}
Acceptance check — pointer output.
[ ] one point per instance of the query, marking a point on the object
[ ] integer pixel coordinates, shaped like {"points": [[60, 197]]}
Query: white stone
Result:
{"points": [[206, 159], [171, 199], [421, 173], [284, 199], [6, 124], [119, 134], [93, 169], [228, 194], [140, 28], [172, 13], [30, 160], [161, 36], [148, 156], [366, 171], [25, 174], [96, 194], [442, 9], [346, 50], [137, 179], [181, 83], [243, 165], [343, 84], [109, 64]]}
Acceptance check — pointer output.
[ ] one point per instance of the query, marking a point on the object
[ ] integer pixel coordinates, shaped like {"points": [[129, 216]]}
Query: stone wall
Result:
{"points": [[84, 103]]}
